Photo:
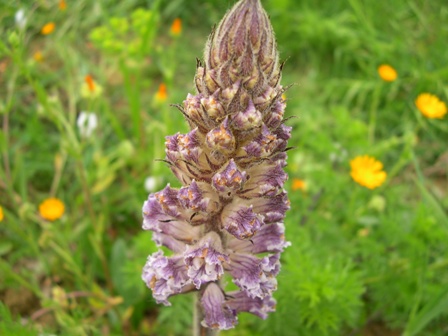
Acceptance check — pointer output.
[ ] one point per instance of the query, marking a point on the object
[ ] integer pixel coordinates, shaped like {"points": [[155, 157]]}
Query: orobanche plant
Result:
{"points": [[226, 222]]}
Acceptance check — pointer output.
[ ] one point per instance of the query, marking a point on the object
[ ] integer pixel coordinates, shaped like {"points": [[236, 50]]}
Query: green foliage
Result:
{"points": [[359, 258], [319, 291], [128, 38], [9, 326], [433, 309]]}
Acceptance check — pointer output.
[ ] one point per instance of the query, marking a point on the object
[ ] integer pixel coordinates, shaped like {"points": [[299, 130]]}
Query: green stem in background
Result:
{"points": [[132, 85], [7, 270], [6, 163], [373, 112], [423, 268], [86, 190], [149, 34], [132, 78], [404, 159], [114, 122], [158, 131], [5, 152], [59, 168], [439, 211], [354, 196]]}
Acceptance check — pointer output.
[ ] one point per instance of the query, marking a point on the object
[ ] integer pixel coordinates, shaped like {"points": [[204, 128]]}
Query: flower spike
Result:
{"points": [[227, 218]]}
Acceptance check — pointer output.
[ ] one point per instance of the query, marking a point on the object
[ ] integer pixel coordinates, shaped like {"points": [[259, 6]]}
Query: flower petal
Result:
{"points": [[264, 180], [217, 315], [269, 238], [229, 180], [166, 276], [205, 260], [240, 220], [254, 276], [241, 302]]}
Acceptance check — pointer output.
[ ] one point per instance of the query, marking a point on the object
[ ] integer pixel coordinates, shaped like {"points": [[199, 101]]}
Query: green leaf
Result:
{"points": [[122, 280], [432, 202], [5, 247], [437, 306]]}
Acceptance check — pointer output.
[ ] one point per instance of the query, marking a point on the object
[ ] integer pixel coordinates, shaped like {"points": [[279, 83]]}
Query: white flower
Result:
{"points": [[87, 123], [20, 18], [150, 183]]}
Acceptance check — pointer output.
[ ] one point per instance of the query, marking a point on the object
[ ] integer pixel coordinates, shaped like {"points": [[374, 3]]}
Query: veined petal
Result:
{"points": [[269, 238], [217, 315], [274, 119], [266, 143], [254, 276], [240, 220], [264, 180], [248, 119], [165, 276], [183, 147], [199, 201], [154, 212], [168, 241], [241, 302], [161, 214], [273, 209], [229, 180], [205, 260], [191, 197]]}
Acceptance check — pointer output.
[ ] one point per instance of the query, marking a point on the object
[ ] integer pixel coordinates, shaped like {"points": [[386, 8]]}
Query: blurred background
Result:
{"points": [[85, 94]]}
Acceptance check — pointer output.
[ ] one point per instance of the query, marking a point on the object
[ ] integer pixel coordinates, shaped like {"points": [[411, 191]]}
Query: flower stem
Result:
{"points": [[373, 113]]}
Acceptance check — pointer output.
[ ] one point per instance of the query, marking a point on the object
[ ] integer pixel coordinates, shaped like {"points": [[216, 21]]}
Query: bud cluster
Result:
{"points": [[226, 222]]}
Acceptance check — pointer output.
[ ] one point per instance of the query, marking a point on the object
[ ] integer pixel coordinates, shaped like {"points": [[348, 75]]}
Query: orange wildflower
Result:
{"points": [[367, 171], [387, 73], [431, 106], [62, 5], [161, 94], [90, 88], [90, 83], [298, 184], [38, 57], [176, 27], [48, 28], [51, 209], [1, 214]]}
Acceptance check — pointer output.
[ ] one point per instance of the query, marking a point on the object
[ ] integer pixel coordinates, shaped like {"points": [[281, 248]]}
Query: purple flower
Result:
{"points": [[227, 218]]}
